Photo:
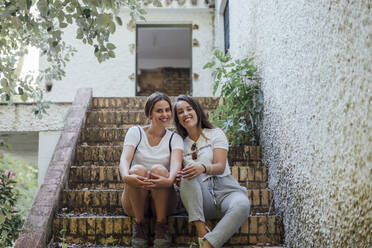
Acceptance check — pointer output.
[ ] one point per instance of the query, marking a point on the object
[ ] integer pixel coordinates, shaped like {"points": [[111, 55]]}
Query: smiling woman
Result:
{"points": [[208, 189], [151, 157]]}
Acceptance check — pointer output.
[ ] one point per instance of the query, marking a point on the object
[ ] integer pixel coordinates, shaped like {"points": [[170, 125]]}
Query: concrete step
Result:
{"points": [[106, 201], [108, 177], [138, 102], [86, 153], [117, 230]]}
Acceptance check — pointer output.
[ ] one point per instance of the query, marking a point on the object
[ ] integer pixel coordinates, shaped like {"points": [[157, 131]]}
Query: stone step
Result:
{"points": [[113, 163], [92, 135], [109, 117], [86, 153], [94, 177], [117, 230], [99, 201], [59, 245], [138, 102]]}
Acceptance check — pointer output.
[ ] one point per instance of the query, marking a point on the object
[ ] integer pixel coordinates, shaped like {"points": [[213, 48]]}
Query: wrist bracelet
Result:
{"points": [[205, 168], [209, 170]]}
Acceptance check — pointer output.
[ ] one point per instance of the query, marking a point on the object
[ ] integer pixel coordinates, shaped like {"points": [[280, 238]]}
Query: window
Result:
{"points": [[226, 27]]}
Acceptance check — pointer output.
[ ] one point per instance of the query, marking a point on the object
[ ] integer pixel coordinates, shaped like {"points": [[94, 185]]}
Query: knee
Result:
{"points": [[160, 170], [139, 170], [242, 206], [187, 185]]}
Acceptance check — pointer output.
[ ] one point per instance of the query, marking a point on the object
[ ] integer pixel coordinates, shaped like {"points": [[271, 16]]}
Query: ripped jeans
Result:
{"points": [[214, 198]]}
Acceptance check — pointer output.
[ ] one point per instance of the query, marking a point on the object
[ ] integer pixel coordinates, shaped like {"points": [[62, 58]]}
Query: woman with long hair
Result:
{"points": [[151, 157], [208, 190]]}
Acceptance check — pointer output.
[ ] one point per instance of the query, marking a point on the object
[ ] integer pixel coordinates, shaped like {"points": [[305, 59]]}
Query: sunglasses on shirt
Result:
{"points": [[194, 150]]}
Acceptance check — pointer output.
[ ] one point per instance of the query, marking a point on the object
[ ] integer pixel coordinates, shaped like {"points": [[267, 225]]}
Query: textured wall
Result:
{"points": [[19, 117], [315, 58]]}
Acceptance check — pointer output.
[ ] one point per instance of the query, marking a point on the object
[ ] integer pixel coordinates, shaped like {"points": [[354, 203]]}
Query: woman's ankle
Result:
{"points": [[201, 228]]}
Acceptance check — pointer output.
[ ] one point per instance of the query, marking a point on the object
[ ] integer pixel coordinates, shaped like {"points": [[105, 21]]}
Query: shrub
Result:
{"points": [[238, 82], [10, 219]]}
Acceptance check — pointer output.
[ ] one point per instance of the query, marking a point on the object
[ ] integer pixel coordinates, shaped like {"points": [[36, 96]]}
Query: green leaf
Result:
{"points": [[20, 91], [63, 25], [118, 20], [79, 34], [111, 54], [110, 46], [142, 11], [112, 27], [101, 20], [24, 97], [4, 83], [209, 65], [2, 218]]}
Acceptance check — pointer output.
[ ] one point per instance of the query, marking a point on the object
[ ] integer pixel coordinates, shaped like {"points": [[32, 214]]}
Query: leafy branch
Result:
{"points": [[238, 82], [41, 24]]}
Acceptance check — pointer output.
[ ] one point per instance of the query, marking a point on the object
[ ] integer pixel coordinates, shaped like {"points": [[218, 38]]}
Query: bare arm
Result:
{"points": [[175, 164], [125, 159], [219, 162], [131, 179]]}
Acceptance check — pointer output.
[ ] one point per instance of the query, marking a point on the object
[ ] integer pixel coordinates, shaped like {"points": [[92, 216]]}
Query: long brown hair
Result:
{"points": [[203, 121], [154, 98]]}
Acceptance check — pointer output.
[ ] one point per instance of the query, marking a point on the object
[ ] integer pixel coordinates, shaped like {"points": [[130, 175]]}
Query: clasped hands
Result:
{"points": [[189, 172], [150, 181]]}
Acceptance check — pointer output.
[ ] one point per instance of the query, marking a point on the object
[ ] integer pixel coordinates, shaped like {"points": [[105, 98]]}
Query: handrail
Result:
{"points": [[37, 229]]}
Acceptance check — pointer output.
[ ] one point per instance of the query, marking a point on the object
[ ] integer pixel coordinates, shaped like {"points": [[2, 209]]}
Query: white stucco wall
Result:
{"points": [[47, 143], [315, 59], [111, 78], [30, 138], [19, 117]]}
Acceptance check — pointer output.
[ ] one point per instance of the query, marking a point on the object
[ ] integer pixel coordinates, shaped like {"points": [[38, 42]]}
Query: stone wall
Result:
{"points": [[315, 60]]}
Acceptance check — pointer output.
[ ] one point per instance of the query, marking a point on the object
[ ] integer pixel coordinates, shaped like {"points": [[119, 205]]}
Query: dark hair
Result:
{"points": [[154, 98], [203, 121]]}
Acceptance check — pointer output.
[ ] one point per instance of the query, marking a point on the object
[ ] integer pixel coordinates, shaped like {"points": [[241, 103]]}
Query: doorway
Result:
{"points": [[163, 59]]}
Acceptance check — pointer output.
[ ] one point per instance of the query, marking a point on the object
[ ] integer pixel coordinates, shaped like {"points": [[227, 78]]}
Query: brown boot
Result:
{"points": [[140, 235], [162, 237]]}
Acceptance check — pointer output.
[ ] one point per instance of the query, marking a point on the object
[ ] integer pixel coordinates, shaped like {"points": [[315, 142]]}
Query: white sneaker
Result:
{"points": [[201, 242]]}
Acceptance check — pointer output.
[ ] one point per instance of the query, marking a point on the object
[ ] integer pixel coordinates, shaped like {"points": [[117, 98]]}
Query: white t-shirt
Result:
{"points": [[216, 139], [147, 155]]}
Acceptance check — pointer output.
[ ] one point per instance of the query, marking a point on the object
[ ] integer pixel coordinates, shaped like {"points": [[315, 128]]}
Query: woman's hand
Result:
{"points": [[192, 170], [137, 181], [158, 181], [178, 178]]}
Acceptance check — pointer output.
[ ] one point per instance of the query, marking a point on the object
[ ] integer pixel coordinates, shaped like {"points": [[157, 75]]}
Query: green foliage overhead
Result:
{"points": [[41, 23], [238, 83]]}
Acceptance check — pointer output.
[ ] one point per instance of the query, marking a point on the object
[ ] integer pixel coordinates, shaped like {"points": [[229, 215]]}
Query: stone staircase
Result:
{"points": [[90, 213]]}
